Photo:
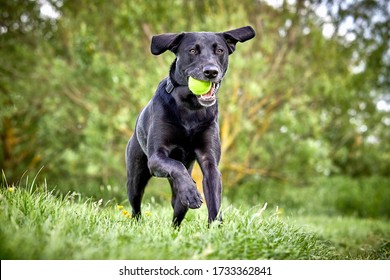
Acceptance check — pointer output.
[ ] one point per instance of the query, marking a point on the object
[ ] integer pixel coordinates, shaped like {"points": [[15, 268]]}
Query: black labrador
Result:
{"points": [[178, 127]]}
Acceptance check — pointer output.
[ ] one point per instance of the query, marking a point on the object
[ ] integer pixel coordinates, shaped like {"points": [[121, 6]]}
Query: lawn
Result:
{"points": [[40, 224]]}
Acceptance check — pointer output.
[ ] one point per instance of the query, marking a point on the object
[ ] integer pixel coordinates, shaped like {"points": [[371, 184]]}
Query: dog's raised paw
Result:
{"points": [[191, 198]]}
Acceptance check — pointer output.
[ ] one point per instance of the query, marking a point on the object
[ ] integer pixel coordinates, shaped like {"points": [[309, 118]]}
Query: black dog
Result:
{"points": [[177, 127]]}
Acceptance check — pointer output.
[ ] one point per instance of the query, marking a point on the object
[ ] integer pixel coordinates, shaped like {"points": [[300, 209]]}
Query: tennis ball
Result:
{"points": [[198, 87]]}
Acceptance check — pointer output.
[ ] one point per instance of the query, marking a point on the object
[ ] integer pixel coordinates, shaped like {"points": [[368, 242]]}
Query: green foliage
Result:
{"points": [[336, 196], [294, 103]]}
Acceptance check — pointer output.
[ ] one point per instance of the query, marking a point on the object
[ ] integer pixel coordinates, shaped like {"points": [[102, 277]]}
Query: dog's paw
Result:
{"points": [[190, 197]]}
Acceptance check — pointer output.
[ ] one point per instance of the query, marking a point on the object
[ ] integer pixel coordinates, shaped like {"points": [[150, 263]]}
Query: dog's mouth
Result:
{"points": [[211, 94], [209, 98]]}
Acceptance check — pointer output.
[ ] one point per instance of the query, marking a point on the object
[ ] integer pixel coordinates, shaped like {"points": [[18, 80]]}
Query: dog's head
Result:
{"points": [[201, 55]]}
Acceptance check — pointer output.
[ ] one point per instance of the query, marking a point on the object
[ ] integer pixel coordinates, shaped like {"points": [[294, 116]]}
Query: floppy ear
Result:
{"points": [[241, 34], [164, 42]]}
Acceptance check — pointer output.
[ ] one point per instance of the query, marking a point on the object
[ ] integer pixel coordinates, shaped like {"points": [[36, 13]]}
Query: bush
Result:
{"points": [[367, 197]]}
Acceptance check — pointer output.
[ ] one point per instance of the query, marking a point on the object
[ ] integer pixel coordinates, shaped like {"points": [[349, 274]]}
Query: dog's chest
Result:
{"points": [[195, 123]]}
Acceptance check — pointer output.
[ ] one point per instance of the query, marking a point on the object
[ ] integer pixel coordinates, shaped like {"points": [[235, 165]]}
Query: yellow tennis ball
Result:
{"points": [[199, 87]]}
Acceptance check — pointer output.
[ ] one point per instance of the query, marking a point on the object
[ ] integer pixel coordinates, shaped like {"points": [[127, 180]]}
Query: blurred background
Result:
{"points": [[304, 107]]}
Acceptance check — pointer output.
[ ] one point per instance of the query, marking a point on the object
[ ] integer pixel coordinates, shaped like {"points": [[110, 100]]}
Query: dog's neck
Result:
{"points": [[174, 78]]}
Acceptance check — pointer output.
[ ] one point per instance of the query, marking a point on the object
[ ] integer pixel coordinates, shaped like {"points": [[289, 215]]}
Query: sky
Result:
{"points": [[48, 11]]}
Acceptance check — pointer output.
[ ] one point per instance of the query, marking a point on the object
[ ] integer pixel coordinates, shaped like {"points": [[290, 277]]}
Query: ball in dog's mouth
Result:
{"points": [[199, 87]]}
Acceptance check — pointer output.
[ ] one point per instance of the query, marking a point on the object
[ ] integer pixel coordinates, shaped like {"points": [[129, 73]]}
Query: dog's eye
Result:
{"points": [[193, 51], [220, 51]]}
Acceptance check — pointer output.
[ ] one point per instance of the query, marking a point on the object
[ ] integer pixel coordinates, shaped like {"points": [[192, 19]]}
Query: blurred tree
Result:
{"points": [[298, 101], [21, 31], [304, 107]]}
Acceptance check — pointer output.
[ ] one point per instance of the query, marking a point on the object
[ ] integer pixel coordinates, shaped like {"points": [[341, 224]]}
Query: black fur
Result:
{"points": [[177, 127]]}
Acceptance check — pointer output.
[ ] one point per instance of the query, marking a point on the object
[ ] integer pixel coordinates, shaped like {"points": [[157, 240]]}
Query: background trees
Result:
{"points": [[308, 97]]}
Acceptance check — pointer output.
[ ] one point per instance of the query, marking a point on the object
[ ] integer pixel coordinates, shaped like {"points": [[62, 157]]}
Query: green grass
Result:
{"points": [[38, 224], [354, 238]]}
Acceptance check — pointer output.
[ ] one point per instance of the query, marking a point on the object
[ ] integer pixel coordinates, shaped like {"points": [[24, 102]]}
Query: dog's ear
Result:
{"points": [[164, 42], [241, 34]]}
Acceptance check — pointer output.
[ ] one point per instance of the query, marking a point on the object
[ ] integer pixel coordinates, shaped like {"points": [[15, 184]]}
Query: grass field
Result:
{"points": [[39, 224]]}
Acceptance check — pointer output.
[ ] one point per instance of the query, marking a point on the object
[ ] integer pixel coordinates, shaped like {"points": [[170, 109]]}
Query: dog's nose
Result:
{"points": [[210, 71]]}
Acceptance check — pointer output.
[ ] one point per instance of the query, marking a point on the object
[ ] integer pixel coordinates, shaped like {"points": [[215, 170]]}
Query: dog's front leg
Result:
{"points": [[184, 187], [212, 188], [208, 158]]}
